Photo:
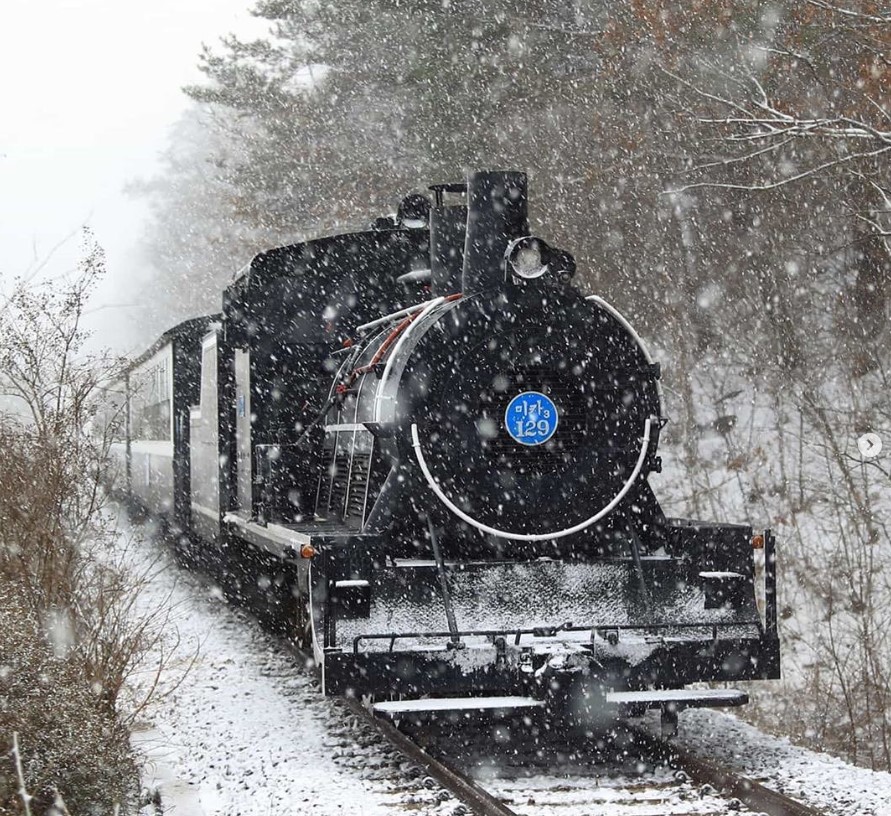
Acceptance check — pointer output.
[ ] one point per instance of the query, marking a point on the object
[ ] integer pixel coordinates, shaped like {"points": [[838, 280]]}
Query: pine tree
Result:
{"points": [[347, 106]]}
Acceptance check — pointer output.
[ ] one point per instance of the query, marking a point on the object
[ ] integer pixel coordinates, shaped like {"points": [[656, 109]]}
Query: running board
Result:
{"points": [[432, 706], [678, 699]]}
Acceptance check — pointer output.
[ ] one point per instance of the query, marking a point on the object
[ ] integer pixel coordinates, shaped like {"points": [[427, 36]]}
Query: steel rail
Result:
{"points": [[728, 784], [752, 794], [458, 784]]}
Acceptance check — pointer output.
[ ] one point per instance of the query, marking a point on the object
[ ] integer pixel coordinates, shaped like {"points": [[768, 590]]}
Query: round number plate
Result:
{"points": [[531, 418]]}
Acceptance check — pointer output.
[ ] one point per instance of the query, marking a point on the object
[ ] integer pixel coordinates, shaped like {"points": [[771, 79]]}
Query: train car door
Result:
{"points": [[244, 464], [204, 463]]}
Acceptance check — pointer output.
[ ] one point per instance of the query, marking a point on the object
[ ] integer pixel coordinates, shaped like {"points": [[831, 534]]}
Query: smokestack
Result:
{"points": [[496, 214]]}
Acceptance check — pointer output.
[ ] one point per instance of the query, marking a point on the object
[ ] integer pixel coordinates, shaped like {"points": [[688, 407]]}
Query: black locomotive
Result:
{"points": [[427, 453]]}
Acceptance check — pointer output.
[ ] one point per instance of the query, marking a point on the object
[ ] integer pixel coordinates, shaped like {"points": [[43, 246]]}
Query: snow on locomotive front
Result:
{"points": [[511, 543]]}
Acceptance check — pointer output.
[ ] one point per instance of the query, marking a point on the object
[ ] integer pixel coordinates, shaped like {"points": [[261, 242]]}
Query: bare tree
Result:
{"points": [[69, 634], [755, 126]]}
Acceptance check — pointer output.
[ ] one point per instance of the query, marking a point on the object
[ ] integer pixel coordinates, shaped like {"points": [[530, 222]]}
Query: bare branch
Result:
{"points": [[704, 94], [739, 159], [20, 774], [773, 185], [883, 19]]}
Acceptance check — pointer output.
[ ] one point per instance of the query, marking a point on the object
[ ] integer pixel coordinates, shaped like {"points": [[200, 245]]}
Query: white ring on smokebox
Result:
{"points": [[434, 486], [637, 339]]}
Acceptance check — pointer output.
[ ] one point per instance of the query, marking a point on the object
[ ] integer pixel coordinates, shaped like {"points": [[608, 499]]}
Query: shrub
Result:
{"points": [[68, 637]]}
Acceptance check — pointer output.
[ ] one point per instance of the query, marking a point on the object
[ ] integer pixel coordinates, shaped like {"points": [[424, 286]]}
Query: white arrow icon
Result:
{"points": [[870, 445]]}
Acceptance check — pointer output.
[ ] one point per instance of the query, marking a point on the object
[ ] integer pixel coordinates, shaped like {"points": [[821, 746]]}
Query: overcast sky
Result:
{"points": [[89, 90]]}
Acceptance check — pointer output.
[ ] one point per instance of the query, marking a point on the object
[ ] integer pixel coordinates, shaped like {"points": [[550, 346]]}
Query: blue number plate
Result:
{"points": [[531, 418]]}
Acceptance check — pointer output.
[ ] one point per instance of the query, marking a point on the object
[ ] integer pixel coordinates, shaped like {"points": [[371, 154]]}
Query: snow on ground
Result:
{"points": [[246, 732], [819, 780]]}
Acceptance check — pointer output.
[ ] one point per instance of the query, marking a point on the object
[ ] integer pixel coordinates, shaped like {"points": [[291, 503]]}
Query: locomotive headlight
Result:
{"points": [[527, 257]]}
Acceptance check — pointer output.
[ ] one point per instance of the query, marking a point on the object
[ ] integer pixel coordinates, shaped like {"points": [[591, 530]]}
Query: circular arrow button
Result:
{"points": [[870, 445]]}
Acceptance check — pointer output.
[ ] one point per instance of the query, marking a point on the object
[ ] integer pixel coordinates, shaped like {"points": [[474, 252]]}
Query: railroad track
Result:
{"points": [[534, 771], [513, 767]]}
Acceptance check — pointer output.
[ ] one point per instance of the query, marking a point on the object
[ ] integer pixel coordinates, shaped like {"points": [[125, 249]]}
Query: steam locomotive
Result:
{"points": [[426, 455]]}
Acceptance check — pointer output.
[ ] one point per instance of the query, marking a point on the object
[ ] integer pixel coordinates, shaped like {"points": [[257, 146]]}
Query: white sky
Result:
{"points": [[88, 92]]}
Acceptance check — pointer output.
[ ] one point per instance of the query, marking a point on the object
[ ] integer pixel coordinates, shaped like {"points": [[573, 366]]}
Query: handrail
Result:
{"points": [[403, 336], [550, 631]]}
